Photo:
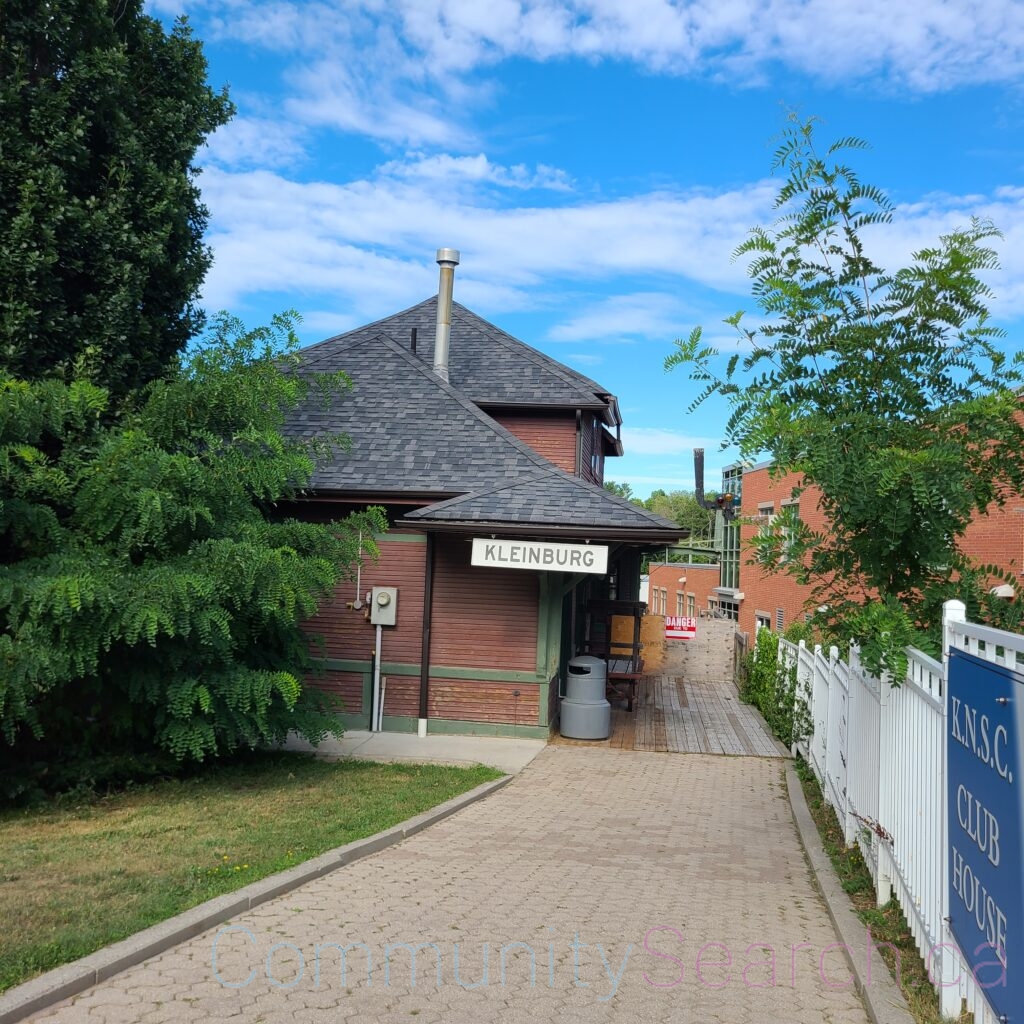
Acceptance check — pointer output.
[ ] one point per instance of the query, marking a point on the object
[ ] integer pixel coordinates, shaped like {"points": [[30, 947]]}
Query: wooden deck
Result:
{"points": [[686, 717]]}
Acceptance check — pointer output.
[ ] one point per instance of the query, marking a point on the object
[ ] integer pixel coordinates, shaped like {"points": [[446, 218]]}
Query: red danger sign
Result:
{"points": [[680, 627]]}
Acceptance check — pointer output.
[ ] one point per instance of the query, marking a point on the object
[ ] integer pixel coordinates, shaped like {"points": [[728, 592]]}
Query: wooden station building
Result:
{"points": [[505, 554]]}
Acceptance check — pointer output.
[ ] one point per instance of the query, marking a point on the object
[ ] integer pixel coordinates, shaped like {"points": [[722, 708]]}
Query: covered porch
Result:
{"points": [[683, 716]]}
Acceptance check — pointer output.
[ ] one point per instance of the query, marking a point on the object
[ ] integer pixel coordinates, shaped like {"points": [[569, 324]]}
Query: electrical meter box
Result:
{"points": [[383, 606]]}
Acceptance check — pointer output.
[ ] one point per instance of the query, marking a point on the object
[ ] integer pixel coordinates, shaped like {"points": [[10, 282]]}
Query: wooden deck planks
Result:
{"points": [[686, 716]]}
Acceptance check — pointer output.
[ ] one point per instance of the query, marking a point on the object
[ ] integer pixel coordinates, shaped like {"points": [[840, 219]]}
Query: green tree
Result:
{"points": [[682, 508], [151, 592], [888, 391], [620, 490], [101, 224]]}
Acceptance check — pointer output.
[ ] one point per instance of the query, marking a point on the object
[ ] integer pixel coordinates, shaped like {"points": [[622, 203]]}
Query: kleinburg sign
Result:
{"points": [[548, 556]]}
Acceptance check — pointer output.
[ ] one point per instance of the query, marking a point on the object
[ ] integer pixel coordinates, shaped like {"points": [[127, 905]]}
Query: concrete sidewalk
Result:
{"points": [[504, 753], [592, 888]]}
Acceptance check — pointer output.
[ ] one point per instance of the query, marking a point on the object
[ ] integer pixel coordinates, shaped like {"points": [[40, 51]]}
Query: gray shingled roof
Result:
{"points": [[486, 364], [412, 433], [545, 499]]}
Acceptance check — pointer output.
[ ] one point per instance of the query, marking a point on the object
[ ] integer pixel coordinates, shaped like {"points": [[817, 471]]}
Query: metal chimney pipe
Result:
{"points": [[447, 260], [698, 475]]}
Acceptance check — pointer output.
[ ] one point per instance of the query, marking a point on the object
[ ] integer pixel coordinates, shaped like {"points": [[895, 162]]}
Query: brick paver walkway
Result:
{"points": [[611, 871]]}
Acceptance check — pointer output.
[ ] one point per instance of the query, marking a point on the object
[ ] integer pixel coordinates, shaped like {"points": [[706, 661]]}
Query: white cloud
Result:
{"points": [[412, 71], [658, 441], [368, 244], [255, 142], [624, 317], [473, 170], [368, 239]]}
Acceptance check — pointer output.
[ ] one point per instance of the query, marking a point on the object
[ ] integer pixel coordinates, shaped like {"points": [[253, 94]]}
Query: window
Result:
{"points": [[765, 513], [691, 605], [762, 620], [729, 609], [791, 511], [679, 602], [664, 601], [732, 483], [780, 618], [596, 454]]}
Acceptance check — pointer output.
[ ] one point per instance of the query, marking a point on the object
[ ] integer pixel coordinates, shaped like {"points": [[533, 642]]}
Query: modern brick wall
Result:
{"points": [[700, 582], [996, 538]]}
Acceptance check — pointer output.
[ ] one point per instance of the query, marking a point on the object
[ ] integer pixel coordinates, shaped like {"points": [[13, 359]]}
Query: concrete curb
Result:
{"points": [[881, 995], [64, 982]]}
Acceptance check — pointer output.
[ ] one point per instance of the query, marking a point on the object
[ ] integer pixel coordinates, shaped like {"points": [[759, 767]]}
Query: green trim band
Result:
{"points": [[402, 538], [388, 668]]}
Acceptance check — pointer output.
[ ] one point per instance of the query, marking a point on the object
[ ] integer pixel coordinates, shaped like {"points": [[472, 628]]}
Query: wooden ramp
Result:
{"points": [[687, 717]]}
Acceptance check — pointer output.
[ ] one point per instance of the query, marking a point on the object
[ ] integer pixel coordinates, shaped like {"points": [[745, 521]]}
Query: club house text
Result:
{"points": [[543, 555], [974, 732]]}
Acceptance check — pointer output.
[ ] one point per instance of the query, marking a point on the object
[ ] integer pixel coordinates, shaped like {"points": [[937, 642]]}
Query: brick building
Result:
{"points": [[503, 553], [756, 598]]}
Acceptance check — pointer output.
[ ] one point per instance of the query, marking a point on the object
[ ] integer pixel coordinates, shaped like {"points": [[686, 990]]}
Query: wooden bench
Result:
{"points": [[624, 674]]}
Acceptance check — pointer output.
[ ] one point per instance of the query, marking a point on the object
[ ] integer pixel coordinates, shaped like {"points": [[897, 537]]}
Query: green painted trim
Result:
{"points": [[453, 727], [354, 720], [487, 675], [343, 665], [400, 723], [402, 538], [542, 624]]}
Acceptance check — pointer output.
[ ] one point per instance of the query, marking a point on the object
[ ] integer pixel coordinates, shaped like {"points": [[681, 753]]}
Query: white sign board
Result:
{"points": [[680, 627], [547, 556]]}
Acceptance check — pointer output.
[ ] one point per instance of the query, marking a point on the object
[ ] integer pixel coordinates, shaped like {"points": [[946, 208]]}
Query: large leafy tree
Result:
{"points": [[889, 391], [101, 223], [151, 596]]}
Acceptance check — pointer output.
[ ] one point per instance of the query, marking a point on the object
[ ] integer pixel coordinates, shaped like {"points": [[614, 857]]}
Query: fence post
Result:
{"points": [[851, 762], [887, 779], [952, 611], [949, 993]]}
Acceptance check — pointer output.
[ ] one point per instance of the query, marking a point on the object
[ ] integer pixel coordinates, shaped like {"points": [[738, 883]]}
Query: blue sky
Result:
{"points": [[595, 161]]}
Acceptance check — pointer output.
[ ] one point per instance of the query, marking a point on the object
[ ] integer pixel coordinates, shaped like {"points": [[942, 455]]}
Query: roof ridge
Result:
{"points": [[366, 327]]}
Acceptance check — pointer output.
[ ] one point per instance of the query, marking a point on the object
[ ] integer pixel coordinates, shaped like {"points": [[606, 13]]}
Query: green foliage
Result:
{"points": [[772, 688], [888, 391], [682, 508], [101, 223], [152, 591], [619, 490]]}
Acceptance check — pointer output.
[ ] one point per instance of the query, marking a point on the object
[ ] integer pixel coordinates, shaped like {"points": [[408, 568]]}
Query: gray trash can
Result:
{"points": [[585, 714]]}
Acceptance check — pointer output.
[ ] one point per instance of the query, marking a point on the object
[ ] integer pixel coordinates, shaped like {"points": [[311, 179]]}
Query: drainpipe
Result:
{"points": [[447, 260], [428, 611]]}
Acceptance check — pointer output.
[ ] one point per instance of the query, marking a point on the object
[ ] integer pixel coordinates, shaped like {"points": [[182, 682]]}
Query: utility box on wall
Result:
{"points": [[384, 606]]}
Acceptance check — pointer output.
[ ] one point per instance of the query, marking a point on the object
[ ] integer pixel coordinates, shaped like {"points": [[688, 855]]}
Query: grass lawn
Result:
{"points": [[76, 878]]}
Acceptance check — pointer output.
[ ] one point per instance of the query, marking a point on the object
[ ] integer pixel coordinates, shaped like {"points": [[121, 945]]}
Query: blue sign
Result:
{"points": [[985, 798]]}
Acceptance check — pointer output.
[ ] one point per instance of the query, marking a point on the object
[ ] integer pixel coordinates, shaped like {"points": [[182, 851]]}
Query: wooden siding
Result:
{"points": [[346, 685], [550, 435], [478, 701], [346, 631], [482, 618], [464, 700]]}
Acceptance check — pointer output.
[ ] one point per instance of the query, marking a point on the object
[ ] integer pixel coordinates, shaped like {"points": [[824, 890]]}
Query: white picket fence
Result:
{"points": [[878, 752]]}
